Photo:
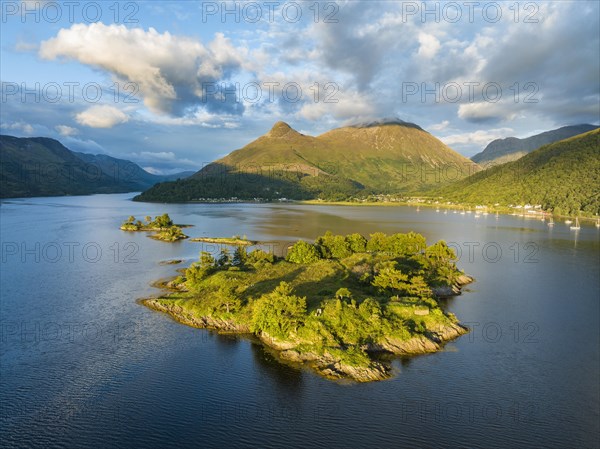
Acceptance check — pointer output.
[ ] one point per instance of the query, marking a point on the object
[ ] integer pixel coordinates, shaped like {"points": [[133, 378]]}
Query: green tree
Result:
{"points": [[240, 256], [357, 243], [343, 293], [405, 244], [333, 246], [303, 252], [377, 242], [259, 256], [200, 270], [440, 253], [279, 312], [389, 278], [163, 221], [207, 261], [228, 297], [224, 258]]}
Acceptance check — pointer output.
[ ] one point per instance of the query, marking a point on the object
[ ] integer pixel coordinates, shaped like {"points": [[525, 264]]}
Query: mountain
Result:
{"points": [[510, 149], [41, 166], [563, 176], [383, 156]]}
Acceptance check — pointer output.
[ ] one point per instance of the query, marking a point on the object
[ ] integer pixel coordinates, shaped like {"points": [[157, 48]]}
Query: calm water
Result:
{"points": [[83, 365]]}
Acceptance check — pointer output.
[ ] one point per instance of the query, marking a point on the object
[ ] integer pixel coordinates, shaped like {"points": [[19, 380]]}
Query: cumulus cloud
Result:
{"points": [[101, 116], [65, 130], [170, 71], [479, 138], [429, 45], [440, 126], [18, 126]]}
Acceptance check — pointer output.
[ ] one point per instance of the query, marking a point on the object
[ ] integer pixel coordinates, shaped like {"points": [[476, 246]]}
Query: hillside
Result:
{"points": [[41, 166], [510, 149], [385, 156], [563, 177]]}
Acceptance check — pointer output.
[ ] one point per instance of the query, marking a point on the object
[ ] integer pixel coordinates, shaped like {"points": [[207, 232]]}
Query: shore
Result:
{"points": [[327, 362]]}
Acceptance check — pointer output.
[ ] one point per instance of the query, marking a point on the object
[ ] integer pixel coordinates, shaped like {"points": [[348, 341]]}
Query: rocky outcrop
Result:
{"points": [[337, 370], [204, 322], [333, 368], [452, 290], [326, 364]]}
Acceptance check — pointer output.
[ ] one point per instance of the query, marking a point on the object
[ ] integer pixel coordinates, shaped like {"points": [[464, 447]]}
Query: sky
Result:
{"points": [[175, 85]]}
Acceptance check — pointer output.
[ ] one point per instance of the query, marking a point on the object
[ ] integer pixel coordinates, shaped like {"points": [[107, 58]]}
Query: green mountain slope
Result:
{"points": [[510, 149], [41, 166], [390, 156], [563, 177]]}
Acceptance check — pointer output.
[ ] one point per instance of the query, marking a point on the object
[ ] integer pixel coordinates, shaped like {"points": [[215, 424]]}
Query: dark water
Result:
{"points": [[83, 365]]}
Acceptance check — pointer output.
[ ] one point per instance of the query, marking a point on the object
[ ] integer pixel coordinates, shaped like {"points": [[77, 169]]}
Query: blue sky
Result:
{"points": [[174, 85]]}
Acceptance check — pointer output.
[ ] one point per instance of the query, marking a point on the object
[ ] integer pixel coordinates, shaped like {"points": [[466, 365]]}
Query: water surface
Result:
{"points": [[83, 365]]}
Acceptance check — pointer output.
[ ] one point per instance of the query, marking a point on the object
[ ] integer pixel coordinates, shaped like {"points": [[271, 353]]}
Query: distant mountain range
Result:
{"points": [[563, 177], [41, 166], [510, 149], [382, 156]]}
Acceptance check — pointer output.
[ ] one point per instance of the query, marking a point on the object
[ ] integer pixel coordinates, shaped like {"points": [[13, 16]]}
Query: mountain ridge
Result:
{"points": [[508, 149], [42, 166], [562, 177], [375, 156]]}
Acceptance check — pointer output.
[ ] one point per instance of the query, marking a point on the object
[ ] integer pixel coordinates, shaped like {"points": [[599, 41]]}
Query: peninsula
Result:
{"points": [[336, 305]]}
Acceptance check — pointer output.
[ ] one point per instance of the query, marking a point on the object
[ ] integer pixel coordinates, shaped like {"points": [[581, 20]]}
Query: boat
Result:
{"points": [[576, 227], [551, 223], [568, 221]]}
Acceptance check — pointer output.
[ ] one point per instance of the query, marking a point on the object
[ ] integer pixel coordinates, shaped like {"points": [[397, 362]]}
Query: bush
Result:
{"points": [[303, 252], [279, 312], [333, 246], [357, 243]]}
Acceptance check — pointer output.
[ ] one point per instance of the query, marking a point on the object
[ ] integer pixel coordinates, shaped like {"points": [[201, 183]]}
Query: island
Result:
{"points": [[162, 225], [338, 305]]}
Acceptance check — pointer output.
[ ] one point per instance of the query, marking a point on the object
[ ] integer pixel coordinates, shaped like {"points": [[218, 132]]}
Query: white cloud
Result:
{"points": [[440, 126], [19, 126], [479, 138], [159, 156], [429, 45], [484, 111], [101, 116], [169, 70], [65, 130]]}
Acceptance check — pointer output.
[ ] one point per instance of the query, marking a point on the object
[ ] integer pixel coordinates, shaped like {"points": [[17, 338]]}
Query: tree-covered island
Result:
{"points": [[336, 304], [162, 225]]}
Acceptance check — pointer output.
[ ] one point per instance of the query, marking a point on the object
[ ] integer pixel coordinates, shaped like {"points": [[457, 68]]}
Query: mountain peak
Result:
{"points": [[280, 129], [385, 122]]}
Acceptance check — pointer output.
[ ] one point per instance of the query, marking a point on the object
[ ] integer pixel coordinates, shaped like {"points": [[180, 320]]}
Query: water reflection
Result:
{"points": [[285, 375]]}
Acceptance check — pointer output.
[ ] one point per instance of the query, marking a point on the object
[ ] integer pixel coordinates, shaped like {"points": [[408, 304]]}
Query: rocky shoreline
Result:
{"points": [[327, 364]]}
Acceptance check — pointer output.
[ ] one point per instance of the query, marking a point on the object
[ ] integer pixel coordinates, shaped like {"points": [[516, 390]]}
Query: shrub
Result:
{"points": [[303, 252]]}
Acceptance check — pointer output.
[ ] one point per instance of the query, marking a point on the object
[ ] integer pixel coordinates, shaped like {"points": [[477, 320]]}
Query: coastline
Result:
{"points": [[328, 362]]}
